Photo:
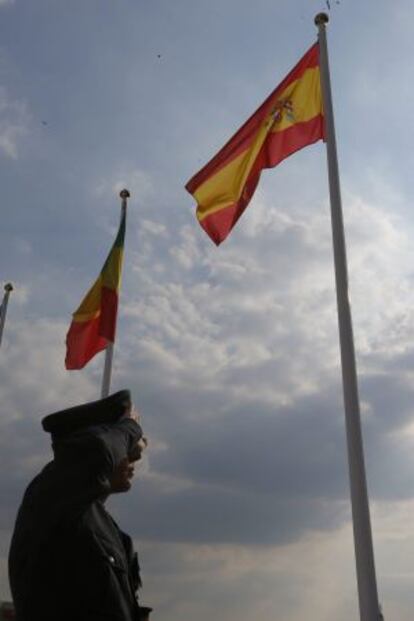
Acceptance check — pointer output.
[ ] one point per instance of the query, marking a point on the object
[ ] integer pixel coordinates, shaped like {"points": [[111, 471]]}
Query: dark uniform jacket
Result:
{"points": [[68, 559]]}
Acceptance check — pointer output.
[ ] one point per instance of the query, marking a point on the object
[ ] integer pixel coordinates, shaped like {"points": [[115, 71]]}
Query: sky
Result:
{"points": [[241, 505]]}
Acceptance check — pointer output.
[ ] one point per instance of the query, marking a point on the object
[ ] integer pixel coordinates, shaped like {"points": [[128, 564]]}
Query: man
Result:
{"points": [[68, 559]]}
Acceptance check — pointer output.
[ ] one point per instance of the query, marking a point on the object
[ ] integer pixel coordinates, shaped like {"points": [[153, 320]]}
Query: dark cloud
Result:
{"points": [[206, 514], [258, 474], [244, 473]]}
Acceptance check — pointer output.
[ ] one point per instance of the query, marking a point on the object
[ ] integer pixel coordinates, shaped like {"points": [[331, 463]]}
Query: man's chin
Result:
{"points": [[125, 487]]}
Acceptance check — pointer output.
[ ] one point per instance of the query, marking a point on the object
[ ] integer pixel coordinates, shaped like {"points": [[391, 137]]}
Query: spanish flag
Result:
{"points": [[94, 322], [289, 119]]}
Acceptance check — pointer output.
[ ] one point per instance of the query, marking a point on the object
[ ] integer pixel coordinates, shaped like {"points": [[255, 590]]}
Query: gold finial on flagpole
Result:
{"points": [[124, 194], [8, 287], [321, 18]]}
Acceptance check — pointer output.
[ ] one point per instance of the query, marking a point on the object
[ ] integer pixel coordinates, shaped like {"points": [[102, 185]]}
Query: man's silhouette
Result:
{"points": [[68, 559]]}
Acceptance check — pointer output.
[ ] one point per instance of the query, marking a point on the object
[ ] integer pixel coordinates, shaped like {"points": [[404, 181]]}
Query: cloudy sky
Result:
{"points": [[242, 506]]}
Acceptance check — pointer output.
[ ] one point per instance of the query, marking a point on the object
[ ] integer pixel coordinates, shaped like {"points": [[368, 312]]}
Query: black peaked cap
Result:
{"points": [[104, 411]]}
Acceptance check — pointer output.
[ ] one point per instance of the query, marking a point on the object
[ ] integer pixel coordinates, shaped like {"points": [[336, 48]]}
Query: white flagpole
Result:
{"points": [[364, 554], [109, 350], [8, 288]]}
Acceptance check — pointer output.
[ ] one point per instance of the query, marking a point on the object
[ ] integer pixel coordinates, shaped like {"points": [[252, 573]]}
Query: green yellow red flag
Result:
{"points": [[289, 119], [94, 322]]}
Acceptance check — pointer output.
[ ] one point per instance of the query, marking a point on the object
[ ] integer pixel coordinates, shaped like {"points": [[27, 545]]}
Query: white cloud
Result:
{"points": [[246, 304], [35, 383], [380, 269], [137, 181], [14, 123]]}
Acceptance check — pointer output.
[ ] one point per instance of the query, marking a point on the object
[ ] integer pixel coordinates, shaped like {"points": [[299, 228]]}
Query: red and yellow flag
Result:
{"points": [[289, 119], [94, 323]]}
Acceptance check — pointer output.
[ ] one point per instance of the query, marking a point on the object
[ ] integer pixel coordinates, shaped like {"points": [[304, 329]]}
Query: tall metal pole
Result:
{"points": [[8, 288], [367, 588], [109, 351]]}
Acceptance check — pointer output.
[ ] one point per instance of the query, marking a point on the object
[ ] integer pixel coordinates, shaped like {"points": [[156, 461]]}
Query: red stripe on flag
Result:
{"points": [[278, 146], [83, 342], [87, 338], [109, 308]]}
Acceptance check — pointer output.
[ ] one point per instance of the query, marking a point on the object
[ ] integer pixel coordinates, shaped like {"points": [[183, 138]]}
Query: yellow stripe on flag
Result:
{"points": [[225, 186], [306, 98], [111, 274]]}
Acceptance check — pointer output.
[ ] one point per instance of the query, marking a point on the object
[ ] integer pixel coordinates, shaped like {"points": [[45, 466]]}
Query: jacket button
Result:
{"points": [[111, 560]]}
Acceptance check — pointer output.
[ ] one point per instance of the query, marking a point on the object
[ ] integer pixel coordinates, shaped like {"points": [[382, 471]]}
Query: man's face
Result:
{"points": [[122, 475]]}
